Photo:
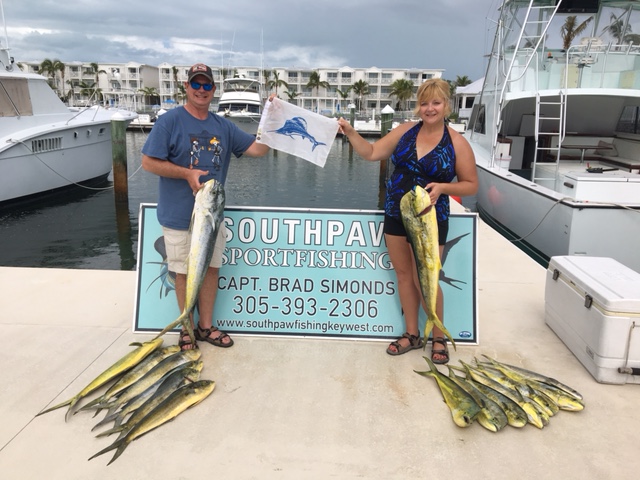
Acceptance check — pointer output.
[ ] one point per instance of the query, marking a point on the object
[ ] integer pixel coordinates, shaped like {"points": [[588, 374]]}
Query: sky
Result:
{"points": [[449, 35]]}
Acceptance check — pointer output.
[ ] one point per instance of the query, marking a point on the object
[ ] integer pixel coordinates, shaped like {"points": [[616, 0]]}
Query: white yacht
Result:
{"points": [[241, 102], [44, 145], [556, 129]]}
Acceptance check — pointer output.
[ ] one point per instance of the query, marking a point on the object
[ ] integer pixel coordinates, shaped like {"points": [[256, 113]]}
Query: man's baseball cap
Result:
{"points": [[200, 69]]}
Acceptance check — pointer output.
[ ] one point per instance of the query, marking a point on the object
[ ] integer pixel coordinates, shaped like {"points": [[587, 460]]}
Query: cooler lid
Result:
{"points": [[612, 285]]}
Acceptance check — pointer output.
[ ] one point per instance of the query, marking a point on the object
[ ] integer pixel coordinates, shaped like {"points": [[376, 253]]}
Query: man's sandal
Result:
{"points": [[415, 341], [184, 341], [442, 352], [203, 334]]}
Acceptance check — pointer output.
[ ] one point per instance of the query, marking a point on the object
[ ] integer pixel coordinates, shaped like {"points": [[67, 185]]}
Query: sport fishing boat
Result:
{"points": [[45, 146], [241, 102], [556, 128]]}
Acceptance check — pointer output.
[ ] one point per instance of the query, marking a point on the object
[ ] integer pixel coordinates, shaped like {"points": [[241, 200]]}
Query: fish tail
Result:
{"points": [[55, 407], [72, 409], [171, 326], [104, 421], [93, 404], [433, 368], [113, 446], [111, 431], [118, 451]]}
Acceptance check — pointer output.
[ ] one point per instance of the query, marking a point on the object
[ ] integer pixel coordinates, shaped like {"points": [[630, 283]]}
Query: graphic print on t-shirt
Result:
{"points": [[205, 152]]}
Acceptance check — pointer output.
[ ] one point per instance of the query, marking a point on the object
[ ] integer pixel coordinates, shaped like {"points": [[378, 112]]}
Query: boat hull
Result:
{"points": [[52, 161], [555, 226], [246, 122]]}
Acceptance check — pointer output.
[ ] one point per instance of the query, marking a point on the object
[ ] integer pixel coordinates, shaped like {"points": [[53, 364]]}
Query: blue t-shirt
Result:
{"points": [[179, 137], [438, 165]]}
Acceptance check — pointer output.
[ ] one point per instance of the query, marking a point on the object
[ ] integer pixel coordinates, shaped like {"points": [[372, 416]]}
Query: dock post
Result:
{"points": [[352, 121], [119, 157], [386, 120]]}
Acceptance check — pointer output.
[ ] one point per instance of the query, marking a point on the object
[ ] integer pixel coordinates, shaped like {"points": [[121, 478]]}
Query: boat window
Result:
{"points": [[628, 121], [478, 119], [15, 100]]}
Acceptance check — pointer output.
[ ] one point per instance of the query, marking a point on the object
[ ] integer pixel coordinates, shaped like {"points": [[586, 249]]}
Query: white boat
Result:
{"points": [[46, 146], [556, 132], [241, 102]]}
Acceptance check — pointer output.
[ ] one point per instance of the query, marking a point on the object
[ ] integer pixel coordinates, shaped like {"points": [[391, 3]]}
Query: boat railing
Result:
{"points": [[592, 65]]}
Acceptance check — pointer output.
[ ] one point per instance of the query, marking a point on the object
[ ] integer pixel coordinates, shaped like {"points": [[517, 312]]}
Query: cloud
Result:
{"points": [[439, 34]]}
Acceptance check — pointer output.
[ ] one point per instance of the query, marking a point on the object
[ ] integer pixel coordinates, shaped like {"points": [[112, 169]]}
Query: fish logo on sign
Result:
{"points": [[297, 126]]}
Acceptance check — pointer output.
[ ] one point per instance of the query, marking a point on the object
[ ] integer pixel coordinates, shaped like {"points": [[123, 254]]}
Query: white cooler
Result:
{"points": [[593, 305]]}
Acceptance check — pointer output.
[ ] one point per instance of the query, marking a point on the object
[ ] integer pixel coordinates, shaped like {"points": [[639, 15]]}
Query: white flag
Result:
{"points": [[297, 131]]}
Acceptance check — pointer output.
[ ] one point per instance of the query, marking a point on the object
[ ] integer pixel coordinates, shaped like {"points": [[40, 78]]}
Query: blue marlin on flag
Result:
{"points": [[286, 128], [298, 126]]}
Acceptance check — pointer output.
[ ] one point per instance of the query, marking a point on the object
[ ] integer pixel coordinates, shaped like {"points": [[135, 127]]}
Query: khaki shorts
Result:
{"points": [[178, 242]]}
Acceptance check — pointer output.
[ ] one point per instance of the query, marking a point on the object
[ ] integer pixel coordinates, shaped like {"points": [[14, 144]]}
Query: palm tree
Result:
{"points": [[47, 69], [462, 81], [176, 84], [292, 95], [344, 94], [276, 82], [150, 93], [315, 82], [90, 90], [571, 30], [360, 88], [58, 66], [402, 89], [95, 68], [618, 30]]}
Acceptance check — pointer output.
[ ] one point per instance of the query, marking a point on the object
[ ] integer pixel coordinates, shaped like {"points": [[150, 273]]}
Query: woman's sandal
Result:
{"points": [[203, 334], [442, 352], [415, 341], [184, 341]]}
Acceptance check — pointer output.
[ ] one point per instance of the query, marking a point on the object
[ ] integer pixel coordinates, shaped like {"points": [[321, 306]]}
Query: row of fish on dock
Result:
{"points": [[497, 394]]}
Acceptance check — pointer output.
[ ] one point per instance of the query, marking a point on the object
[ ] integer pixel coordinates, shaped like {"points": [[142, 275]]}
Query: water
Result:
{"points": [[87, 230]]}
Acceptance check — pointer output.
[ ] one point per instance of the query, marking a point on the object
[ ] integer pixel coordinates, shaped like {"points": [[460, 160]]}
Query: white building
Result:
{"points": [[125, 85]]}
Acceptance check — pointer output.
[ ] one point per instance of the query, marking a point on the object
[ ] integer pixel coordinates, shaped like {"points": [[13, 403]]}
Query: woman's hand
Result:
{"points": [[434, 190]]}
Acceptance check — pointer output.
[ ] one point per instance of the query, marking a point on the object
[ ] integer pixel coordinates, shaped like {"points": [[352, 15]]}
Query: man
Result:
{"points": [[187, 146]]}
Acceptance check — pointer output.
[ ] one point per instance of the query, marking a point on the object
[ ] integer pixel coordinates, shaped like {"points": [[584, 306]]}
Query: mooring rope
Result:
{"points": [[62, 176]]}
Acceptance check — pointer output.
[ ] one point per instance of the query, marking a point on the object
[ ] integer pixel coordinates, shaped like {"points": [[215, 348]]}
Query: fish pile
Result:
{"points": [[150, 386], [420, 222], [497, 394]]}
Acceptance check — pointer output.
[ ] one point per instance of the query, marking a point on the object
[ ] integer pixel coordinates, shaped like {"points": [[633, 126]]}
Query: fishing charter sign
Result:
{"points": [[308, 272]]}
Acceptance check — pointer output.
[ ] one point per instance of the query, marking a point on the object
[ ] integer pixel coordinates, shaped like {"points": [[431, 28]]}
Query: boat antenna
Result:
{"points": [[5, 59]]}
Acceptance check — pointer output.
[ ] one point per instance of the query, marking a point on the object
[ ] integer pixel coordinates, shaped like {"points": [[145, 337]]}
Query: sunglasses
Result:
{"points": [[196, 86]]}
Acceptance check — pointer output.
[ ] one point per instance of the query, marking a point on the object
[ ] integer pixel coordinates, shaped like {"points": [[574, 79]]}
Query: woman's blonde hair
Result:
{"points": [[431, 89]]}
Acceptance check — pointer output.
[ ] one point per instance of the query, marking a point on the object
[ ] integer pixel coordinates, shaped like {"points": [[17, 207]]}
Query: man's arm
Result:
{"points": [[165, 168]]}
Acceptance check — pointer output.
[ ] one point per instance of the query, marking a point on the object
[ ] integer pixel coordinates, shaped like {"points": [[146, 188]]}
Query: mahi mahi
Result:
{"points": [[464, 408], [522, 374], [491, 416], [133, 375], [208, 214], [183, 398], [139, 406], [151, 377], [419, 219], [126, 363]]}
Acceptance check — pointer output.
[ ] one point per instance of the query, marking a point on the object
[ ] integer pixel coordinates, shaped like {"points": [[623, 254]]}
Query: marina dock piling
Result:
{"points": [[119, 157]]}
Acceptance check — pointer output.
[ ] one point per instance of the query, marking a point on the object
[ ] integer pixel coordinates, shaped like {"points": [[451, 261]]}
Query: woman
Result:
{"points": [[430, 154]]}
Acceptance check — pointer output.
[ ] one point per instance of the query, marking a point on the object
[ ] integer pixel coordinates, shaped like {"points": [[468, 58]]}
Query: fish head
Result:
{"points": [[211, 195], [421, 201]]}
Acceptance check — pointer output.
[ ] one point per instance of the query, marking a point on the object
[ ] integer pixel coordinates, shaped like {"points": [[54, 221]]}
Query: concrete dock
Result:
{"points": [[298, 408]]}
